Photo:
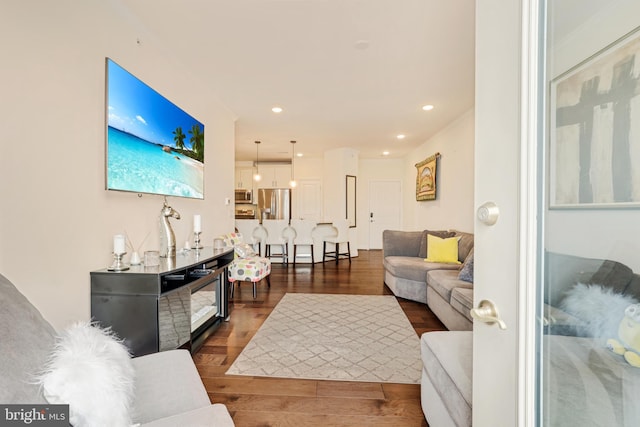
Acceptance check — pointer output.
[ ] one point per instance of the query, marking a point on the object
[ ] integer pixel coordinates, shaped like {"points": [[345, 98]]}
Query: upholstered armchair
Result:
{"points": [[247, 266]]}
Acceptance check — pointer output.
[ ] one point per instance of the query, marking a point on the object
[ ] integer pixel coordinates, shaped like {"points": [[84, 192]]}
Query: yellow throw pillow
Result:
{"points": [[442, 250]]}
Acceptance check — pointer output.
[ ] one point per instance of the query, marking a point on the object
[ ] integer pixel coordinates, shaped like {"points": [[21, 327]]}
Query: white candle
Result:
{"points": [[118, 244], [197, 224]]}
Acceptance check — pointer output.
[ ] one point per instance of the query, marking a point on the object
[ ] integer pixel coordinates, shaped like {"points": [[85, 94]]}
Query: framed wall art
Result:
{"points": [[351, 200], [426, 178], [594, 141]]}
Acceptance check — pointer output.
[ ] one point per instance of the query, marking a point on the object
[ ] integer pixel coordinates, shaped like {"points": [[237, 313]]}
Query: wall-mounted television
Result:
{"points": [[153, 146]]}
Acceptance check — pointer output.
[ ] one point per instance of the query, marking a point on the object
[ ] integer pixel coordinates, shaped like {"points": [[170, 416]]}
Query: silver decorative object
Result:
{"points": [[168, 239], [118, 265], [196, 240]]}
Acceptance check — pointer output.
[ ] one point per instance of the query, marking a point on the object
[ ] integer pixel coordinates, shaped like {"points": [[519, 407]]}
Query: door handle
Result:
{"points": [[488, 213], [487, 312]]}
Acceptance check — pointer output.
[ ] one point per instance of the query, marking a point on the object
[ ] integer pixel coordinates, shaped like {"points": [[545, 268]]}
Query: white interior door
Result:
{"points": [[502, 387], [385, 211], [511, 139]]}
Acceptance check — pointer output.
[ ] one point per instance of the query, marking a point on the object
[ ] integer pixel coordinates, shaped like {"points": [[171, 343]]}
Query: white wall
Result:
{"points": [[453, 207], [338, 164], [308, 168], [57, 222], [596, 233], [307, 171]]}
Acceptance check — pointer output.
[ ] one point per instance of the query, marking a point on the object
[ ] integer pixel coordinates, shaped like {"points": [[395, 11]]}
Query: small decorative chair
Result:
{"points": [[247, 266], [342, 227], [302, 236]]}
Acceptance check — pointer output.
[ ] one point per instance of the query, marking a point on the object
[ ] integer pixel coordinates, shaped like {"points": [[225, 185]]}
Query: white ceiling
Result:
{"points": [[348, 73]]}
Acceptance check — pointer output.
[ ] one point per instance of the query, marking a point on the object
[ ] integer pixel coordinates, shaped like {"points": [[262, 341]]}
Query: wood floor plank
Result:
{"points": [[347, 389], [254, 401], [261, 386], [321, 405], [285, 419], [401, 391], [212, 371]]}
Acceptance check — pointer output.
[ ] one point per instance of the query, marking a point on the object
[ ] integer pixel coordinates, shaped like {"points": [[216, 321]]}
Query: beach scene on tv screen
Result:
{"points": [[153, 146]]}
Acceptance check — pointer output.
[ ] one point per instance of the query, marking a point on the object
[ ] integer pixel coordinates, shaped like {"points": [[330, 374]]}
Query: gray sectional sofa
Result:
{"points": [[445, 389], [438, 285], [168, 389], [586, 383], [584, 306]]}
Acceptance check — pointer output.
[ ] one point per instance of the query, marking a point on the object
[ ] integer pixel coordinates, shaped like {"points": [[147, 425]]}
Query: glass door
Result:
{"points": [[589, 264]]}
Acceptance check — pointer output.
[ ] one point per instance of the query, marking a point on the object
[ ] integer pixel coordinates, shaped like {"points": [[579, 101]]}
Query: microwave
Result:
{"points": [[243, 196]]}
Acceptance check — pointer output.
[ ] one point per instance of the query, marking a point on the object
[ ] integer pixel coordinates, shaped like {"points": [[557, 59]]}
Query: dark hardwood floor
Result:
{"points": [[255, 401]]}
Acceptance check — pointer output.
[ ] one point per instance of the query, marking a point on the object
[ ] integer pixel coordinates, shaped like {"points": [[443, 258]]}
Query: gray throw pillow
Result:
{"points": [[26, 340], [613, 275], [466, 272]]}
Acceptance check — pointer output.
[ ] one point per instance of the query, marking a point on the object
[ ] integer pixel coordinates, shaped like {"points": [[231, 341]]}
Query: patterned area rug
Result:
{"points": [[334, 337]]}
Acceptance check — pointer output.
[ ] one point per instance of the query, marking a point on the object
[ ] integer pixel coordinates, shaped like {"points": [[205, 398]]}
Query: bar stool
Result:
{"points": [[342, 227], [275, 229], [302, 237], [248, 228]]}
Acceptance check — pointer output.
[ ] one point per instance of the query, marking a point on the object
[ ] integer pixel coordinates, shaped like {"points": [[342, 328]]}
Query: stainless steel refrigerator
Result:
{"points": [[274, 203]]}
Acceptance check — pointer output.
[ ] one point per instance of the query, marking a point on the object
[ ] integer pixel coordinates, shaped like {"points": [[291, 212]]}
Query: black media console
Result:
{"points": [[177, 304]]}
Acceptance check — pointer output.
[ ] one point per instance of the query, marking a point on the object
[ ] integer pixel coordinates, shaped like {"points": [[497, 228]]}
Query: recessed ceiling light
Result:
{"points": [[276, 110], [428, 107], [385, 153], [401, 136], [299, 154]]}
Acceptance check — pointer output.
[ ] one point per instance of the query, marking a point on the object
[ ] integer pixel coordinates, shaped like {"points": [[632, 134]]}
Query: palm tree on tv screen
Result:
{"points": [[197, 142], [179, 137]]}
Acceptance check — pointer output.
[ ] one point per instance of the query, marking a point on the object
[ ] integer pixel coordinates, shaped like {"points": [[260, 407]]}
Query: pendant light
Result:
{"points": [[257, 176], [293, 182]]}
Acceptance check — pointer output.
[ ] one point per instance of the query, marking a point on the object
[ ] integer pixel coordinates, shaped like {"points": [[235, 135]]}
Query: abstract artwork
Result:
{"points": [[595, 130]]}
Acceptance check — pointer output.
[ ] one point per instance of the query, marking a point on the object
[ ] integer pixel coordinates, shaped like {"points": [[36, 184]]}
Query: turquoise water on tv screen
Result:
{"points": [[134, 164]]}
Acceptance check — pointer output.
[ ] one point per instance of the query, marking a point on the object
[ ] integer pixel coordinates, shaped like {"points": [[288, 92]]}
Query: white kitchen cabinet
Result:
{"points": [[275, 176], [244, 178]]}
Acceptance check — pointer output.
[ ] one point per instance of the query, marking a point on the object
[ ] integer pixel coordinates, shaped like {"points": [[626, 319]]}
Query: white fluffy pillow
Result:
{"points": [[599, 309], [91, 371]]}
